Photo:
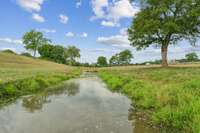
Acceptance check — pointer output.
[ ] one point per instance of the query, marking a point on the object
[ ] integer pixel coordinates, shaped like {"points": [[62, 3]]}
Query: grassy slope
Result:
{"points": [[14, 67], [21, 75], [171, 95]]}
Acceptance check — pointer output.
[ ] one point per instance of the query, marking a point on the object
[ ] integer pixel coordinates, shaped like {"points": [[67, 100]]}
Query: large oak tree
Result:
{"points": [[165, 22]]}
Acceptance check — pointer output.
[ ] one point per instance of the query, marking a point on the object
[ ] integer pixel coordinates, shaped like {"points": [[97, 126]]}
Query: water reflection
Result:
{"points": [[36, 102], [83, 105]]}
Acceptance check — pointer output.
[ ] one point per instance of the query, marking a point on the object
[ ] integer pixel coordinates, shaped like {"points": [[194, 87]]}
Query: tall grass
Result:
{"points": [[172, 95]]}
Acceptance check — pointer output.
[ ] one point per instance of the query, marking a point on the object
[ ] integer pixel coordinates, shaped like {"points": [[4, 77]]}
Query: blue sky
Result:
{"points": [[97, 27]]}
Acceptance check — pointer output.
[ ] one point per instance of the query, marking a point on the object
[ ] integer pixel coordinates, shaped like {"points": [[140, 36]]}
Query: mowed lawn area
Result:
{"points": [[20, 75], [169, 96]]}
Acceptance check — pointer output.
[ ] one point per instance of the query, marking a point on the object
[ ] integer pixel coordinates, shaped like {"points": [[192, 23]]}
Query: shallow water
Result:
{"points": [[85, 105]]}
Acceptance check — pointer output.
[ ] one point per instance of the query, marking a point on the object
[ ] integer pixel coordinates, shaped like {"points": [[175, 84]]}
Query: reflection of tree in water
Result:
{"points": [[68, 88], [72, 89], [36, 102]]}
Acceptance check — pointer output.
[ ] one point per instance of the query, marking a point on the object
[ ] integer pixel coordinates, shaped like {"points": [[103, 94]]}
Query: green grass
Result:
{"points": [[21, 75], [172, 96]]}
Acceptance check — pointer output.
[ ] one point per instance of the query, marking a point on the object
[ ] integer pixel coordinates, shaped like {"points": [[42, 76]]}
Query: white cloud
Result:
{"points": [[120, 40], [117, 41], [84, 35], [31, 5], [123, 31], [114, 11], [63, 18], [122, 9], [109, 24], [38, 18], [98, 8], [11, 41], [47, 30], [69, 34], [78, 4], [102, 50]]}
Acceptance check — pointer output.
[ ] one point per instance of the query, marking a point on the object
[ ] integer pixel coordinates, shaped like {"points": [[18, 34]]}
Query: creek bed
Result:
{"points": [[85, 105]]}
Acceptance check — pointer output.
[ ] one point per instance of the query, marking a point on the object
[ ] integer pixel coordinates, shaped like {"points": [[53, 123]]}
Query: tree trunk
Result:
{"points": [[34, 54], [164, 50]]}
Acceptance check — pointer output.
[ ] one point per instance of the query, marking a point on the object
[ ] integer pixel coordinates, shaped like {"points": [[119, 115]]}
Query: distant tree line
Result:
{"points": [[102, 61], [59, 54], [36, 42], [119, 59], [189, 57]]}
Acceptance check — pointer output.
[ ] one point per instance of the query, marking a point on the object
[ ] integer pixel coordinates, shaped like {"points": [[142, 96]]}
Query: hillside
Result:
{"points": [[13, 67]]}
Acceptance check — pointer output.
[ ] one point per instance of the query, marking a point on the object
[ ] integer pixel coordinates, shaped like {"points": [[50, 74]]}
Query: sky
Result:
{"points": [[96, 27]]}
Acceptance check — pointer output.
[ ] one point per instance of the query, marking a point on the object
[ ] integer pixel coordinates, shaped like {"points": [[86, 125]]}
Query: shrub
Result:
{"points": [[42, 81], [10, 90], [29, 86]]}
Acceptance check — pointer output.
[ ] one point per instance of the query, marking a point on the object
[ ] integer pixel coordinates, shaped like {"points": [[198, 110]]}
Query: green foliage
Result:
{"points": [[54, 53], [125, 57], [102, 61], [33, 40], [165, 22], [71, 54], [122, 58], [114, 60], [10, 90], [58, 54], [171, 98], [192, 57], [46, 51]]}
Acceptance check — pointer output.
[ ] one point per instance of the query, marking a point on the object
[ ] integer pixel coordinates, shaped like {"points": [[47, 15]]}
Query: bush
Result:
{"points": [[9, 90], [42, 81]]}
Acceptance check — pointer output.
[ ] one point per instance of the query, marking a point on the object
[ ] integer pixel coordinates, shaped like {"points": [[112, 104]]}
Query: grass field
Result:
{"points": [[170, 96], [21, 75], [14, 67]]}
